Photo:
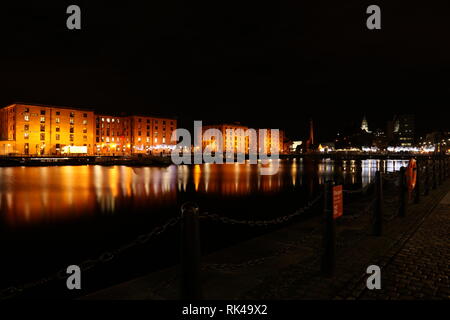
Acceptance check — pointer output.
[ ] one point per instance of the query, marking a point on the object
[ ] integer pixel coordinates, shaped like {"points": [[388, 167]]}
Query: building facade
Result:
{"points": [[47, 130], [237, 138]]}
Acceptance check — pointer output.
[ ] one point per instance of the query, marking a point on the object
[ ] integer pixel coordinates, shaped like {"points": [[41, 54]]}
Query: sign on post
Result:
{"points": [[338, 202]]}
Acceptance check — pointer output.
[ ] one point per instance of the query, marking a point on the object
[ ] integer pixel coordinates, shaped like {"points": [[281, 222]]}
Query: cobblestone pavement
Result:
{"points": [[421, 269]]}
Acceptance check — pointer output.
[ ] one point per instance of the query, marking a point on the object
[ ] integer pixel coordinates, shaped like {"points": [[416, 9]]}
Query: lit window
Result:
{"points": [[163, 140], [71, 137], [26, 127], [42, 136], [42, 127], [84, 138], [26, 135], [72, 114], [113, 120], [72, 121], [156, 140], [103, 119], [107, 139], [57, 137], [85, 122], [42, 119], [84, 130], [57, 120], [26, 117]]}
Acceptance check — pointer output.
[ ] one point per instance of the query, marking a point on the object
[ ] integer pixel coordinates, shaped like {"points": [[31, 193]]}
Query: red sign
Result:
{"points": [[338, 202]]}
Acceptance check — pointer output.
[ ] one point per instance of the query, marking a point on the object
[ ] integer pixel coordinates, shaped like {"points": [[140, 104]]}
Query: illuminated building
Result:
{"points": [[27, 129], [237, 138], [45, 130], [365, 125], [112, 135], [151, 135]]}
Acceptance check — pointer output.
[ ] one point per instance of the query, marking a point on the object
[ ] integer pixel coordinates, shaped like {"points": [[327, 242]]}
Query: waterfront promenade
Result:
{"points": [[413, 254]]}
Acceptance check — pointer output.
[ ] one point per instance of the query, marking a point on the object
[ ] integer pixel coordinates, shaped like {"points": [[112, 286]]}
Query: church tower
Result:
{"points": [[365, 125]]}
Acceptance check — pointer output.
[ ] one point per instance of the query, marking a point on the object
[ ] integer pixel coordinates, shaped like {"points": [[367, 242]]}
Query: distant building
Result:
{"points": [[238, 139], [405, 128], [365, 125]]}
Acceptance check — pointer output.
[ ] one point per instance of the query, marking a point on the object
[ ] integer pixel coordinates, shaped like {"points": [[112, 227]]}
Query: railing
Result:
{"points": [[431, 173]]}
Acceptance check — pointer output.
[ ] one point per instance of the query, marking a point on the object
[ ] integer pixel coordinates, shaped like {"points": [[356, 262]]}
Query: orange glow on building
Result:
{"points": [[44, 130], [27, 129]]}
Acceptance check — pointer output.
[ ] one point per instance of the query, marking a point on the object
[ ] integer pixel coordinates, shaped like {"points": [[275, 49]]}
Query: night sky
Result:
{"points": [[269, 64]]}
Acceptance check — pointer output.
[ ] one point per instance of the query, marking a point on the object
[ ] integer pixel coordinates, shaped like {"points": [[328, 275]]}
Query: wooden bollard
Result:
{"points": [[378, 209], [434, 175], [427, 178], [190, 252], [402, 193], [329, 234], [418, 178]]}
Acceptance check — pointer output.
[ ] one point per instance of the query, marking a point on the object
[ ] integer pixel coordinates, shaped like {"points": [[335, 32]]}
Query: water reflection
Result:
{"points": [[44, 194]]}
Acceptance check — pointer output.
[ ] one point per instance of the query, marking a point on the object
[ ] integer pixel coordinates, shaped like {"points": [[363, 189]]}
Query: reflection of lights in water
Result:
{"points": [[197, 173]]}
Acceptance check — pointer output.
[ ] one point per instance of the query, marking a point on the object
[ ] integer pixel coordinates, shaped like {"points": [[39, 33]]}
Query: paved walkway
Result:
{"points": [[421, 269]]}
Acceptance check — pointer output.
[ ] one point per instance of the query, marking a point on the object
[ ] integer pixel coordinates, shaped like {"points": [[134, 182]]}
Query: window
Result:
{"points": [[42, 119], [97, 132], [42, 112], [139, 139], [57, 120], [58, 113], [71, 137], [107, 139], [156, 128], [148, 139], [148, 127], [26, 127], [72, 114], [164, 123], [72, 129], [42, 127], [85, 122], [26, 135], [26, 117], [57, 129], [42, 136], [148, 133], [84, 115], [148, 120], [164, 140], [139, 133], [27, 109], [108, 120], [84, 138], [139, 120], [97, 139], [57, 137], [84, 130]]}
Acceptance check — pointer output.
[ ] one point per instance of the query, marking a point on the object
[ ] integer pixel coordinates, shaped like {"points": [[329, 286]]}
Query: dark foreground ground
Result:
{"points": [[413, 253]]}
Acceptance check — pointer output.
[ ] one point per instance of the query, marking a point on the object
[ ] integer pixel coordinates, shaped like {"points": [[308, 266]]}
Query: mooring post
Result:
{"points": [[402, 192], [427, 178], [434, 174], [190, 252], [378, 210], [417, 187], [329, 235]]}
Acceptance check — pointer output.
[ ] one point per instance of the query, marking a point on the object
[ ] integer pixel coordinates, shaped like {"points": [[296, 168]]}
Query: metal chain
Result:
{"points": [[105, 257], [261, 223]]}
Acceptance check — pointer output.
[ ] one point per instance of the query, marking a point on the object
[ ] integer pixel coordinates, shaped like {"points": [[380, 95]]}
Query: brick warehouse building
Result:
{"points": [[27, 129]]}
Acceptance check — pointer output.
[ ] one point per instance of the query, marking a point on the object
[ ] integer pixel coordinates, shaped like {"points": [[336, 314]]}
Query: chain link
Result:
{"points": [[105, 257], [261, 223]]}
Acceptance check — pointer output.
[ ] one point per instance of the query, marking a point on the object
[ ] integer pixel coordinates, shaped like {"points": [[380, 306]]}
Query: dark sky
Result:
{"points": [[271, 64]]}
